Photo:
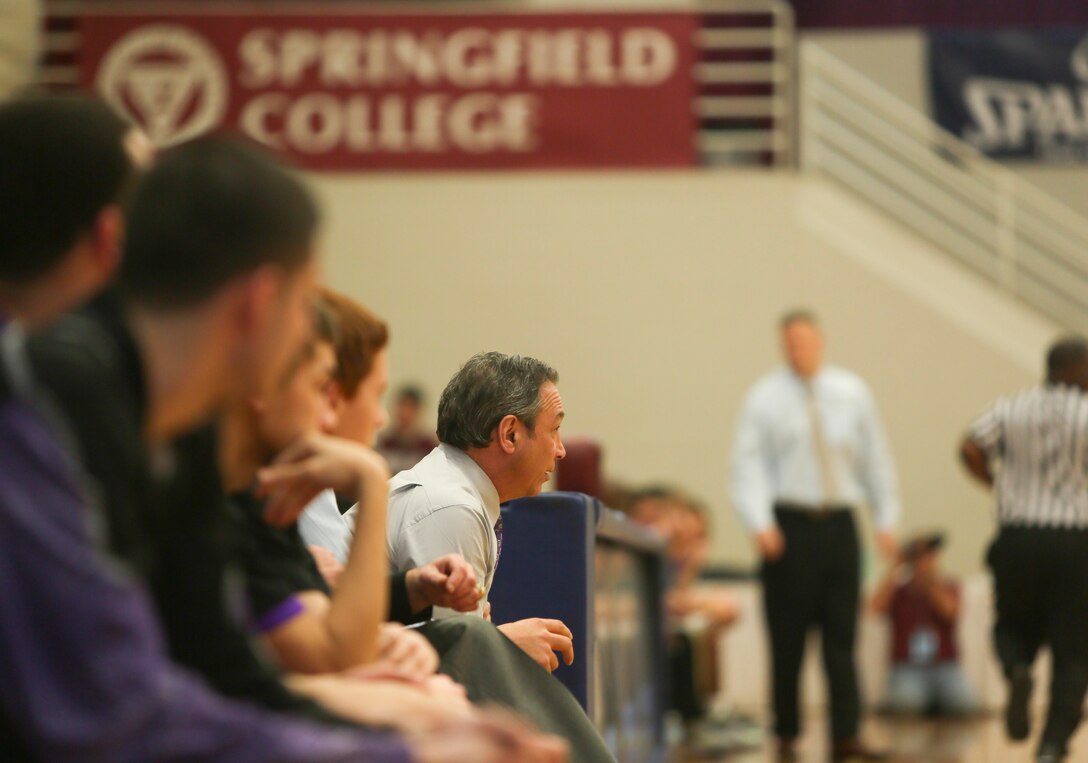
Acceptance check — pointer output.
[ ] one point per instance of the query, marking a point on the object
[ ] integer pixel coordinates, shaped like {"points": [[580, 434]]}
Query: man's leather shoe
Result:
{"points": [[854, 750]]}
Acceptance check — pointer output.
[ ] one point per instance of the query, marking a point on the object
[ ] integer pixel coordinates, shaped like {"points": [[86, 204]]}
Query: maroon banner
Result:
{"points": [[357, 90]]}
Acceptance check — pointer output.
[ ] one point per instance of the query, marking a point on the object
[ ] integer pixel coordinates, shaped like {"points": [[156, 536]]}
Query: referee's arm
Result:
{"points": [[976, 461]]}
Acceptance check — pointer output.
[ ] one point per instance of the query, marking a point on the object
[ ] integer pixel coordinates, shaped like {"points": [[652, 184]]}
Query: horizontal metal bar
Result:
{"points": [[58, 75], [769, 37], [62, 8], [735, 73], [744, 6], [732, 141], [62, 42], [725, 107]]}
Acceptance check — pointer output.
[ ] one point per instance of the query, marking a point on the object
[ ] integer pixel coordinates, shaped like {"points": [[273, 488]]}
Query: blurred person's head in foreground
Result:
{"points": [[218, 277], [299, 404], [66, 165], [362, 368]]}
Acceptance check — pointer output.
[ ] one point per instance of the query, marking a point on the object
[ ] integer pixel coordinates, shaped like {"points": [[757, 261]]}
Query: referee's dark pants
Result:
{"points": [[1041, 598], [814, 584]]}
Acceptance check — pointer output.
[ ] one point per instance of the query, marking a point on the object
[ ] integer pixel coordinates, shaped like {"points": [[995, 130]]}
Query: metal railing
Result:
{"points": [[745, 77], [979, 212]]}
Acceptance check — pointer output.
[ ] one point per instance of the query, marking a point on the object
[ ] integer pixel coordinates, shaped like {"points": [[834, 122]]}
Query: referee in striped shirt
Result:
{"points": [[1038, 440]]}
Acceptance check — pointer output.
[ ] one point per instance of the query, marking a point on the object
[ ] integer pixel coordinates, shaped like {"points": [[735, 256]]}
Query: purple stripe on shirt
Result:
{"points": [[286, 610]]}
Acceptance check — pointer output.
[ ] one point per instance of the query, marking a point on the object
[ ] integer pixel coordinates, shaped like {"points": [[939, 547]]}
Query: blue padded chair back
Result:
{"points": [[546, 570]]}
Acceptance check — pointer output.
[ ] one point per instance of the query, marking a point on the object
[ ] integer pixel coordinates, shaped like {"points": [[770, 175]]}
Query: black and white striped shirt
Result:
{"points": [[1040, 437]]}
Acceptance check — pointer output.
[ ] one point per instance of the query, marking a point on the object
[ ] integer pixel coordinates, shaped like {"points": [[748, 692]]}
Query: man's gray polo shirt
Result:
{"points": [[445, 504]]}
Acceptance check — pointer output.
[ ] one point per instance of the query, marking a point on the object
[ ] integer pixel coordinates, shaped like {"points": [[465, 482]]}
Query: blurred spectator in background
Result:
{"points": [[405, 442], [697, 619], [924, 607], [810, 448]]}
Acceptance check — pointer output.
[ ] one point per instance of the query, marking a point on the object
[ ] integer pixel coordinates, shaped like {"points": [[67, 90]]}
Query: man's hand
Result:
{"points": [[448, 581], [888, 545], [493, 737], [541, 639], [312, 464], [327, 564], [406, 652], [770, 543]]}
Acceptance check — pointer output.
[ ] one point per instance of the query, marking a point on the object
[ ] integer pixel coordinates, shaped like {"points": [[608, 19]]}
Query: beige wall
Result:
{"points": [[896, 59], [655, 296]]}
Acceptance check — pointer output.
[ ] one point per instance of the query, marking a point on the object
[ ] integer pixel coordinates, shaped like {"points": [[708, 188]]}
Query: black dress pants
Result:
{"points": [[814, 584], [1041, 598]]}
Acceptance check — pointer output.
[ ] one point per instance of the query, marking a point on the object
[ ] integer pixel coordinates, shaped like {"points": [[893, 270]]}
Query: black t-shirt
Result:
{"points": [[275, 560], [278, 564]]}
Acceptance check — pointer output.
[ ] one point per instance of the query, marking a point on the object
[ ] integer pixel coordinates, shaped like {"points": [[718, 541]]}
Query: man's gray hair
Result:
{"points": [[489, 387]]}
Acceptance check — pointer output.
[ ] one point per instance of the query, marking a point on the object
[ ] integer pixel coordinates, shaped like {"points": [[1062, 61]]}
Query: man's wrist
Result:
{"points": [[412, 583]]}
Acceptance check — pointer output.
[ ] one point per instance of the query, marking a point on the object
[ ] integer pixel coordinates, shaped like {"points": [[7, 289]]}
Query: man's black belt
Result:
{"points": [[812, 511]]}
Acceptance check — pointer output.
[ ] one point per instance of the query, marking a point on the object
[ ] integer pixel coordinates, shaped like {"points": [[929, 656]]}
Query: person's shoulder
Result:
{"points": [[844, 378], [433, 495], [76, 350], [435, 484]]}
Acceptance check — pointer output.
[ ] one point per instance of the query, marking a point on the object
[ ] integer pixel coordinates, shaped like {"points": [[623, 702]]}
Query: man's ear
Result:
{"points": [[255, 295], [337, 398], [507, 433]]}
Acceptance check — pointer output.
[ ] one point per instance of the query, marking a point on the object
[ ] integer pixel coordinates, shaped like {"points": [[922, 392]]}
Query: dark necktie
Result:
{"points": [[498, 539]]}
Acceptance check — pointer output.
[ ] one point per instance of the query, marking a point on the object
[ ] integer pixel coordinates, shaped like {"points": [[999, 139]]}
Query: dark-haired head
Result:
{"points": [[1067, 362], [209, 212], [487, 388], [505, 411], [64, 170]]}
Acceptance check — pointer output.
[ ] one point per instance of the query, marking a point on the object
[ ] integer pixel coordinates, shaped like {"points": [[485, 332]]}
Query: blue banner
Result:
{"points": [[1013, 94]]}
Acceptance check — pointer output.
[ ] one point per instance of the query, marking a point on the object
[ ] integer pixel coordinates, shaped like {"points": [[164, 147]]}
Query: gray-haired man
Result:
{"points": [[498, 427]]}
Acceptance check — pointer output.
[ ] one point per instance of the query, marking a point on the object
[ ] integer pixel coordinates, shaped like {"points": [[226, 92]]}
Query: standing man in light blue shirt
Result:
{"points": [[809, 448]]}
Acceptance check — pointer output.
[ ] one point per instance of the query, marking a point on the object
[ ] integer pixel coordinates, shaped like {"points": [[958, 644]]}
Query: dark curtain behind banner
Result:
{"points": [[1013, 94], [845, 14]]}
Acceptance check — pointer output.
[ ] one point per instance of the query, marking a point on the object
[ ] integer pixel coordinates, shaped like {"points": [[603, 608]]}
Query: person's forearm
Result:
{"points": [[416, 600], [882, 598], [944, 601], [976, 462], [361, 601], [380, 704]]}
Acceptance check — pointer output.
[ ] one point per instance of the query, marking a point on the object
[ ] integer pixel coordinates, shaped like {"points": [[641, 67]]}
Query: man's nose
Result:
{"points": [[560, 452]]}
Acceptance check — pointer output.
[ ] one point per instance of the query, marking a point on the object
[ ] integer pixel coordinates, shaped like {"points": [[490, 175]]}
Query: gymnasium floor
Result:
{"points": [[977, 741]]}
